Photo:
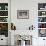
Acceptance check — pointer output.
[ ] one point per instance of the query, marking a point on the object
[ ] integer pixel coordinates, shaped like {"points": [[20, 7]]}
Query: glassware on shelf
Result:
{"points": [[6, 7], [3, 13], [43, 13]]}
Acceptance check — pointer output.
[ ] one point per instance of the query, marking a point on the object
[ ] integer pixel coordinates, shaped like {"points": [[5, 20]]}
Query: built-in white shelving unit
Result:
{"points": [[4, 19], [42, 19]]}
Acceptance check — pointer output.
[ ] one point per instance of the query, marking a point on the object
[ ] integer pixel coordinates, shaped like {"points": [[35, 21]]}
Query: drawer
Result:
{"points": [[3, 41]]}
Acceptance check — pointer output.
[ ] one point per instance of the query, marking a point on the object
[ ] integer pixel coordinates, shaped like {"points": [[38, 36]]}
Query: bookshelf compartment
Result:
{"points": [[4, 29], [41, 19], [42, 32], [41, 25], [3, 6], [3, 13], [41, 13], [3, 19], [41, 6]]}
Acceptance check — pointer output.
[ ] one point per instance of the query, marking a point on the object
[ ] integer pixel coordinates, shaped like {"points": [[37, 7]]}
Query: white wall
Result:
{"points": [[32, 6], [23, 24]]}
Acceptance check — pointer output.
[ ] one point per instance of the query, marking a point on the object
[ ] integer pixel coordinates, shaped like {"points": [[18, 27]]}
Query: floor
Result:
{"points": [[3, 45]]}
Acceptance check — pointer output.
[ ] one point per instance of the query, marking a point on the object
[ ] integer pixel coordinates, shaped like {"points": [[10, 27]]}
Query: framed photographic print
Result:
{"points": [[22, 14]]}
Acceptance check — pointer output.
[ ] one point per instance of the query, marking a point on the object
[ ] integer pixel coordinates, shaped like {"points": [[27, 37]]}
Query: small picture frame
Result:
{"points": [[22, 14]]}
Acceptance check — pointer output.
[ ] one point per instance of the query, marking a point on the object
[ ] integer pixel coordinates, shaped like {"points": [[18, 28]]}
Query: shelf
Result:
{"points": [[41, 22], [41, 10], [42, 16], [41, 28], [3, 16], [3, 10], [3, 22]]}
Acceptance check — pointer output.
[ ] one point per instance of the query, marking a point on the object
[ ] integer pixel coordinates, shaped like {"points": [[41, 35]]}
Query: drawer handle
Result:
{"points": [[43, 39], [1, 39]]}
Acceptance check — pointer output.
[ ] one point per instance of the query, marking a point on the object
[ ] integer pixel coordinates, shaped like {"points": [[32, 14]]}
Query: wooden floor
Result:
{"points": [[3, 45]]}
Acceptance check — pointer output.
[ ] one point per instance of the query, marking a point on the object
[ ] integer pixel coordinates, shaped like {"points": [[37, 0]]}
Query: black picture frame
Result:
{"points": [[22, 14]]}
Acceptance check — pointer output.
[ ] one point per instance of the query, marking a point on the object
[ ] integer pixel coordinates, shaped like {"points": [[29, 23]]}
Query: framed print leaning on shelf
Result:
{"points": [[22, 14]]}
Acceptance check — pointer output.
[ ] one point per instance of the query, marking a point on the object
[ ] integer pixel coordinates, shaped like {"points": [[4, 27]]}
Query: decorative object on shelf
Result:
{"points": [[6, 7], [31, 27], [3, 13], [42, 25], [4, 26], [41, 6], [13, 27], [22, 14], [41, 19], [3, 19], [43, 13], [42, 32]]}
